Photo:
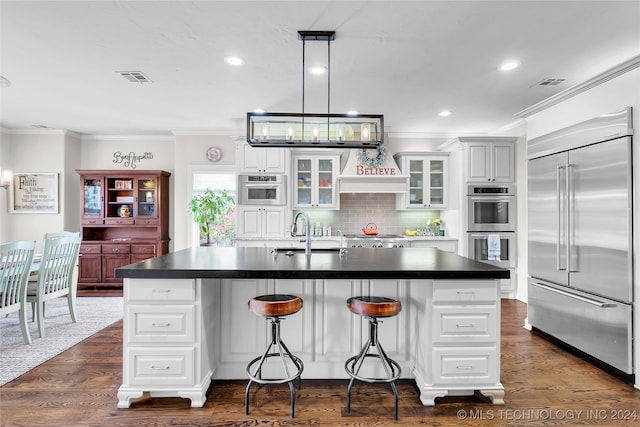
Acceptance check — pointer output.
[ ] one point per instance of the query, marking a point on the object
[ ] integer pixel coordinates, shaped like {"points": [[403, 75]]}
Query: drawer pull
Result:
{"points": [[160, 368], [465, 292], [159, 291], [465, 368], [465, 325], [161, 325]]}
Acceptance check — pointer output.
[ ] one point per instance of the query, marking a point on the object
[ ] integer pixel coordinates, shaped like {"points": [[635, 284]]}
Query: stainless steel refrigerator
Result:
{"points": [[580, 233]]}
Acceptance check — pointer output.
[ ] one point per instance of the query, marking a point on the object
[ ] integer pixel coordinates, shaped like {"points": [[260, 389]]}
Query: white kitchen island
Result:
{"points": [[186, 320]]}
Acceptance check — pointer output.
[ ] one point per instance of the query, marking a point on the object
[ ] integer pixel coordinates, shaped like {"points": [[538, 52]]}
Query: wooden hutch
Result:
{"points": [[124, 219]]}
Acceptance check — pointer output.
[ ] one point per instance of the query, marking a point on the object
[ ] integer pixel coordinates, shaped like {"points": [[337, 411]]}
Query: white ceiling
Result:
{"points": [[404, 59]]}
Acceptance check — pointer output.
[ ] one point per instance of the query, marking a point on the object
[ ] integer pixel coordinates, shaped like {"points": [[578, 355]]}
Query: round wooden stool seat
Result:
{"points": [[374, 306], [275, 305]]}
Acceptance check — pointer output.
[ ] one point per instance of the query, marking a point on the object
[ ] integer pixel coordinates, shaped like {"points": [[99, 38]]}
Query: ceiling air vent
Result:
{"points": [[135, 76], [549, 82]]}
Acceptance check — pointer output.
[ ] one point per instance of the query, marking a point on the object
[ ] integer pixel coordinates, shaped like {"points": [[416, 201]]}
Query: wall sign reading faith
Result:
{"points": [[34, 193], [129, 160]]}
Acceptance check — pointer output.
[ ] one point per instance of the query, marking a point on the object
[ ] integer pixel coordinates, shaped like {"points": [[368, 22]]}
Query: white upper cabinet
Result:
{"points": [[490, 160], [427, 187], [314, 182], [257, 160]]}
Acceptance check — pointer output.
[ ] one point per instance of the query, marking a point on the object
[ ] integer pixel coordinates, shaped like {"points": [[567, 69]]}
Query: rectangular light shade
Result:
{"points": [[315, 130]]}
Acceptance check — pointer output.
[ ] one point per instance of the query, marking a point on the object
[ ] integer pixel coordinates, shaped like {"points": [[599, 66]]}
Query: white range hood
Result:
{"points": [[386, 178]]}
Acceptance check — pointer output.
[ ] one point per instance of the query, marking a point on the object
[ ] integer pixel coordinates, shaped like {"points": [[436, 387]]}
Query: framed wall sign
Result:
{"points": [[34, 193]]}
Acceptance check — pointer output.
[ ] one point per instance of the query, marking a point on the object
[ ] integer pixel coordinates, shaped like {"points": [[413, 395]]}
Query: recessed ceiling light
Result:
{"points": [[234, 60], [509, 65], [444, 113], [352, 113], [318, 70]]}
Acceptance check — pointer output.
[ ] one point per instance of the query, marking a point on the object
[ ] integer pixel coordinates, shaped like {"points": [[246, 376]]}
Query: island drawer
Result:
{"points": [[464, 325], [465, 292], [161, 366], [167, 290], [166, 324], [465, 366]]}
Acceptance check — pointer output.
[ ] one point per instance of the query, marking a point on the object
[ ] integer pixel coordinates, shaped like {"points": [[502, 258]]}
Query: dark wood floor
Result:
{"points": [[544, 386]]}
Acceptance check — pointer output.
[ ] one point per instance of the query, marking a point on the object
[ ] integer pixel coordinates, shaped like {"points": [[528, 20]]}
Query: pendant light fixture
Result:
{"points": [[315, 129]]}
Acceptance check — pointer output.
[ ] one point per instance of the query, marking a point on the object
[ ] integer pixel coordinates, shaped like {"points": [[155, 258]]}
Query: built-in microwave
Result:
{"points": [[262, 190], [491, 208]]}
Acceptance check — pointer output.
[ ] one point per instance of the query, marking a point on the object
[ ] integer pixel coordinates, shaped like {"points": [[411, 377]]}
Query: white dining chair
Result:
{"points": [[56, 234], [33, 277], [15, 263], [56, 277]]}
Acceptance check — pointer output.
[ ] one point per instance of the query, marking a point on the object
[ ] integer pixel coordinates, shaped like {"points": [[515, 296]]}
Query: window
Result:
{"points": [[222, 232]]}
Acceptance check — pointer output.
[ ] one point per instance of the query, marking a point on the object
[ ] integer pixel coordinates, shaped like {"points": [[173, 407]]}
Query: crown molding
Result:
{"points": [[157, 138], [509, 126], [430, 135], [597, 80], [41, 132], [230, 133]]}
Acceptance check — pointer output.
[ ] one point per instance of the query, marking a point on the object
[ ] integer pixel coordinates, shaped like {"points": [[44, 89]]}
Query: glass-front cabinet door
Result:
{"points": [[147, 197], [92, 196], [436, 182], [427, 181], [416, 182], [120, 200], [315, 181]]}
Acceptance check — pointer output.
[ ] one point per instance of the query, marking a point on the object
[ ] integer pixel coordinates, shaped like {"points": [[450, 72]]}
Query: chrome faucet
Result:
{"points": [[307, 230], [343, 251]]}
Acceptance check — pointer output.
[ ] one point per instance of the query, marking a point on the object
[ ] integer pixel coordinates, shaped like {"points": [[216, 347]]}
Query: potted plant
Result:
{"points": [[211, 209]]}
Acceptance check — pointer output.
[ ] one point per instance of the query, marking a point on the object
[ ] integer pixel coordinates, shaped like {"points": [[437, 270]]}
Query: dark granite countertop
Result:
{"points": [[358, 263]]}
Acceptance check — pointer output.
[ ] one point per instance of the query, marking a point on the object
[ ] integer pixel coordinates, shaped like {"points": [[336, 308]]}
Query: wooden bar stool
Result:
{"points": [[274, 307], [373, 308]]}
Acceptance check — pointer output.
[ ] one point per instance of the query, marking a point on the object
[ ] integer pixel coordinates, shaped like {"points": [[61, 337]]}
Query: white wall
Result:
{"points": [[5, 145], [44, 151], [71, 212], [191, 152]]}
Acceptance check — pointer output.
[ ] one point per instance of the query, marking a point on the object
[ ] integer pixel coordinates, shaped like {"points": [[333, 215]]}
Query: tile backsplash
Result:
{"points": [[357, 210]]}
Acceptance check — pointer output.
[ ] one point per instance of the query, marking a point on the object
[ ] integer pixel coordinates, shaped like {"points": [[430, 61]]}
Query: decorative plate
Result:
{"points": [[214, 154]]}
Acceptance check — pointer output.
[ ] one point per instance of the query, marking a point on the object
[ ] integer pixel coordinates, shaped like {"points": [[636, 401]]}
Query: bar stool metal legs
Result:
{"points": [[276, 347], [354, 364]]}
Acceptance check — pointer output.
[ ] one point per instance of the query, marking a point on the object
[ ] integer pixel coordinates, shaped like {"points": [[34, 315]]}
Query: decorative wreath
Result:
{"points": [[371, 162]]}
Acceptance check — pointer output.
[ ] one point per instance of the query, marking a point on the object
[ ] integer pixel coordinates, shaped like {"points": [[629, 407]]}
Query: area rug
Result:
{"points": [[16, 357]]}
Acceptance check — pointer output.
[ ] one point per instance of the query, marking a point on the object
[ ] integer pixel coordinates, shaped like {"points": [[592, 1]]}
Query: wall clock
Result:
{"points": [[214, 154]]}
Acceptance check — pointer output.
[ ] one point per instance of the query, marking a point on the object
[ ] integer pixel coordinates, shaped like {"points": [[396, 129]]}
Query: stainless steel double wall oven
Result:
{"points": [[491, 224]]}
